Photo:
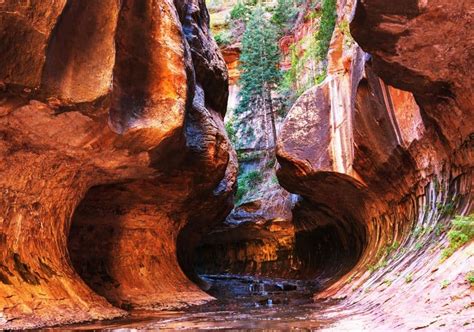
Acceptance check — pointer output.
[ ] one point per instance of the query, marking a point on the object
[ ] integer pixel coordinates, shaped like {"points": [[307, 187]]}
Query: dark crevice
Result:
{"points": [[95, 227], [328, 237]]}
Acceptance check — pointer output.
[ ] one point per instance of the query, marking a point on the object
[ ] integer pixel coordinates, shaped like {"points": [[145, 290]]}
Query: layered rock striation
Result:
{"points": [[113, 151], [257, 238], [381, 153]]}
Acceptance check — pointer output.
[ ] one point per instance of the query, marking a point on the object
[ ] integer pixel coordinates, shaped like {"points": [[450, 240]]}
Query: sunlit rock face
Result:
{"points": [[112, 148], [387, 168], [420, 46]]}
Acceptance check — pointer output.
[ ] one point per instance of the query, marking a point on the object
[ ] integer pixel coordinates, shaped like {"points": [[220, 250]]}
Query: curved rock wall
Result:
{"points": [[389, 168], [112, 145]]}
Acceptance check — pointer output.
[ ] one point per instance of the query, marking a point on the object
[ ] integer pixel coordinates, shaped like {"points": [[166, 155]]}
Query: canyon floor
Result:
{"points": [[242, 303]]}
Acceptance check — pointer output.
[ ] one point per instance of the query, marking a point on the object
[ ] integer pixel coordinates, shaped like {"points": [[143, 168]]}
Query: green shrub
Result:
{"points": [[231, 132], [384, 253], [223, 38], [326, 28], [446, 209], [381, 264], [240, 11], [246, 182], [284, 12], [462, 231], [241, 191], [388, 282], [344, 28], [445, 283], [253, 177], [274, 180], [439, 229], [292, 85], [470, 277], [321, 76], [270, 163]]}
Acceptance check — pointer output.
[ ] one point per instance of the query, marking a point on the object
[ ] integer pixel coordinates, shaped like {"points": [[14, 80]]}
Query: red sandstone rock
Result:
{"points": [[231, 57], [423, 47], [257, 238], [104, 182], [380, 162], [100, 178]]}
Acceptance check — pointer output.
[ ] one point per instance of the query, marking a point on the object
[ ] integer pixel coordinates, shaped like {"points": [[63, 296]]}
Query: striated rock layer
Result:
{"points": [[387, 169], [257, 238], [112, 148]]}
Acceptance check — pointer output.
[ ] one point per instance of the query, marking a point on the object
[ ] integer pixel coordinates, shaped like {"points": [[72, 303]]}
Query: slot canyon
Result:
{"points": [[136, 192]]}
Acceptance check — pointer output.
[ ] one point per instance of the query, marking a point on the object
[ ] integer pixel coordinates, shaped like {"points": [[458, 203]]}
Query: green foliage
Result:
{"points": [[344, 28], [284, 12], [391, 248], [274, 179], [253, 177], [231, 132], [223, 38], [470, 277], [249, 156], [270, 163], [315, 52], [241, 10], [388, 282], [321, 76], [439, 229], [388, 249], [384, 252], [380, 264], [445, 283], [419, 231], [409, 278], [245, 182], [462, 231], [446, 209], [286, 89], [326, 28], [259, 60]]}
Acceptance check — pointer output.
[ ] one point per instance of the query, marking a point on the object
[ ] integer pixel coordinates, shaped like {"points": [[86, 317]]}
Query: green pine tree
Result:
{"points": [[260, 71], [283, 13]]}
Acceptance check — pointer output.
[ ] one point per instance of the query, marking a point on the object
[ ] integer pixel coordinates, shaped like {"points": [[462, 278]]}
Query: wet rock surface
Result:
{"points": [[243, 302]]}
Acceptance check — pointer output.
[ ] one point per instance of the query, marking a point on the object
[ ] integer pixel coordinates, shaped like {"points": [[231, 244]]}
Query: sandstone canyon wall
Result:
{"points": [[379, 159], [112, 148], [382, 171]]}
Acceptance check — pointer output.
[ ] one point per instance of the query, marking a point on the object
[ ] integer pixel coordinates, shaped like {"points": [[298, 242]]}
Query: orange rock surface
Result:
{"points": [[385, 168], [112, 147]]}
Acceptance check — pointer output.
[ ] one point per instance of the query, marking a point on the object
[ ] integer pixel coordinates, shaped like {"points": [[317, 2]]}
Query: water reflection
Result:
{"points": [[242, 303]]}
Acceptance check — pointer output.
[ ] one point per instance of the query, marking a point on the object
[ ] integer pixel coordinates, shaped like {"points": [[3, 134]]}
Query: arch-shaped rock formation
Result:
{"points": [[408, 153], [112, 141]]}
